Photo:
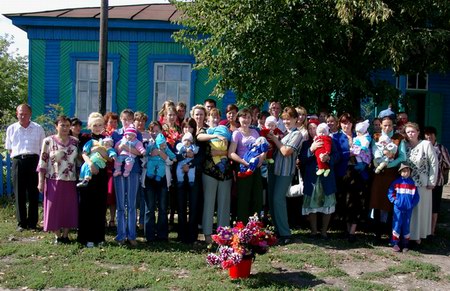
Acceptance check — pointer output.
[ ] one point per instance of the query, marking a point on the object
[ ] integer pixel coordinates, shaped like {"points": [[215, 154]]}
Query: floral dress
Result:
{"points": [[58, 162], [424, 168]]}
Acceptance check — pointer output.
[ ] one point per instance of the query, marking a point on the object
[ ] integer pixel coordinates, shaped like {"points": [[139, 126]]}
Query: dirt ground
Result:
{"points": [[363, 259]]}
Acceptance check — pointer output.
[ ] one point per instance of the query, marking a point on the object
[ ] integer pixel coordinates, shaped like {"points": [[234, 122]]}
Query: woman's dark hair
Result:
{"points": [[231, 107], [244, 111], [62, 118], [188, 121], [345, 117], [153, 124], [263, 114], [430, 130], [75, 121]]}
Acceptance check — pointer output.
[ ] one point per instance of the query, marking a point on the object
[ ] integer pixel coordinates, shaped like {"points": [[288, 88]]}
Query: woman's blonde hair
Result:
{"points": [[214, 111], [412, 125], [166, 104], [198, 106], [95, 117], [302, 111]]}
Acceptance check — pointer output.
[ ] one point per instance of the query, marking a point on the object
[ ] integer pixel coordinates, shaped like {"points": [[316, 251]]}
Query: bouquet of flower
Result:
{"points": [[240, 241]]}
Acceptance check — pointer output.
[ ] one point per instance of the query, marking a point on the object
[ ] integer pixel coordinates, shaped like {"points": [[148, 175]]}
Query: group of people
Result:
{"points": [[201, 167]]}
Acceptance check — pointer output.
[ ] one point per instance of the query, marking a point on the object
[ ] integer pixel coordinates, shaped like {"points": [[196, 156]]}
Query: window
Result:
{"points": [[417, 82], [172, 82], [87, 88]]}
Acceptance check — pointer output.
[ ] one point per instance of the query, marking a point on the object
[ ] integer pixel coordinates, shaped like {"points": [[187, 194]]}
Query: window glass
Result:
{"points": [[172, 82], [422, 81], [87, 88], [172, 73], [417, 82]]}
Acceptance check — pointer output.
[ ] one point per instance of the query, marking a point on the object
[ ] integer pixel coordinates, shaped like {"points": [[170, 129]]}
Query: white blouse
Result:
{"points": [[424, 163]]}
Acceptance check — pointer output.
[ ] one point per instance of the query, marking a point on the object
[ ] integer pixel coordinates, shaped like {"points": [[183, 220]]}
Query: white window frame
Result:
{"points": [[417, 76], [92, 81], [186, 99]]}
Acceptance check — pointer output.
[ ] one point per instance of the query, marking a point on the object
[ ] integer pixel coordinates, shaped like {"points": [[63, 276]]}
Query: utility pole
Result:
{"points": [[102, 57]]}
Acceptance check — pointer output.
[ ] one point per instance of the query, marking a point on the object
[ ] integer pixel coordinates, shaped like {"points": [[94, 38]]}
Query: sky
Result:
{"points": [[18, 6]]}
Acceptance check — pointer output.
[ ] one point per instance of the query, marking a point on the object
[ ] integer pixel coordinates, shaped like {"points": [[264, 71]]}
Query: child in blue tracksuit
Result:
{"points": [[403, 194]]}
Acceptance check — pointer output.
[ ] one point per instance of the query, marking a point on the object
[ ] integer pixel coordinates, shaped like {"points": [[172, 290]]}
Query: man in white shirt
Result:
{"points": [[24, 141]]}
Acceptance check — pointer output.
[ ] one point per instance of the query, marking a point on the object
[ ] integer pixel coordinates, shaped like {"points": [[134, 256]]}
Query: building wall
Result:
{"points": [[36, 76], [439, 84], [52, 74], [437, 103]]}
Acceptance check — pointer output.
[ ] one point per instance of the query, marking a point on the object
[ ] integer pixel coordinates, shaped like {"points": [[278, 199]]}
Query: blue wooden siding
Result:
{"points": [[132, 75], [92, 34], [34, 21], [203, 88], [440, 83], [120, 85], [36, 80]]}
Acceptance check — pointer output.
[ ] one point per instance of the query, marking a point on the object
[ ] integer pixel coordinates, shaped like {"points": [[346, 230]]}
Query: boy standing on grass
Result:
{"points": [[403, 194]]}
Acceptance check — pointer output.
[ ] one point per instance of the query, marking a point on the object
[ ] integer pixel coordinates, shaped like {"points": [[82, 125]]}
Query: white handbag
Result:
{"points": [[296, 189]]}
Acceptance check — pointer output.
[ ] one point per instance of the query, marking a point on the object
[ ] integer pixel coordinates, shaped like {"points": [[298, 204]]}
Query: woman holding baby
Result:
{"points": [[379, 203], [249, 187]]}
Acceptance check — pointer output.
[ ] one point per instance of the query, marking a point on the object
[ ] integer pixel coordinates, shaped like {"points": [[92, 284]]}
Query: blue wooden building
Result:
{"points": [[145, 65]]}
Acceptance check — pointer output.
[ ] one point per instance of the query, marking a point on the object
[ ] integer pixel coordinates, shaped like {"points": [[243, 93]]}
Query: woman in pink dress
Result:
{"points": [[57, 180]]}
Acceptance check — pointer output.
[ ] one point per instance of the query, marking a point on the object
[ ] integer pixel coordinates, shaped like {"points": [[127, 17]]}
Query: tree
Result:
{"points": [[13, 77], [318, 53]]}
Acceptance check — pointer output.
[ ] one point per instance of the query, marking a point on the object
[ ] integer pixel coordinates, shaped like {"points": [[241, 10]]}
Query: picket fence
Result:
{"points": [[5, 178]]}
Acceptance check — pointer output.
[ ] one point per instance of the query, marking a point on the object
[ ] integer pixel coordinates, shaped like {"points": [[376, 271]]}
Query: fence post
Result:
{"points": [[1, 176], [8, 175]]}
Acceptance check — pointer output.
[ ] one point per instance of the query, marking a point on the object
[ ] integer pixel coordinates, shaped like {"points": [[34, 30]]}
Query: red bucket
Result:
{"points": [[241, 270]]}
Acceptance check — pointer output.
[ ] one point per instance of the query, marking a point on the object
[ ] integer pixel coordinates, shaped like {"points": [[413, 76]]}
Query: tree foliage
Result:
{"points": [[318, 53], [13, 77]]}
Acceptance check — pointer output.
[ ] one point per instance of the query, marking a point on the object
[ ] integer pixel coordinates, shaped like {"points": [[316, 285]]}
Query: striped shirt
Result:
{"points": [[285, 165], [444, 163], [24, 140]]}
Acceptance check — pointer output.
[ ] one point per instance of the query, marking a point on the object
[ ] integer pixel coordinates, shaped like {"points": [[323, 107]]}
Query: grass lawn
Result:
{"points": [[31, 260]]}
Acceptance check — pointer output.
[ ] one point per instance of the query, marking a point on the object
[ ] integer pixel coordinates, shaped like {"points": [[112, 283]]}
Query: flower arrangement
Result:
{"points": [[240, 241]]}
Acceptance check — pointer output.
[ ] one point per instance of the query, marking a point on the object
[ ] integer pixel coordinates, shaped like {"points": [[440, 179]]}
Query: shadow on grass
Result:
{"points": [[439, 245], [301, 280]]}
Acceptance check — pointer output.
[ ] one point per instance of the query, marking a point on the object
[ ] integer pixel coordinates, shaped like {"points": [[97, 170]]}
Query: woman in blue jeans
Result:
{"points": [[126, 187], [156, 192], [156, 198]]}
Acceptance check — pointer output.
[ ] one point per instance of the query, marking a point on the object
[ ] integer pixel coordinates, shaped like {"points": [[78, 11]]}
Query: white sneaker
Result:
{"points": [[90, 245]]}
